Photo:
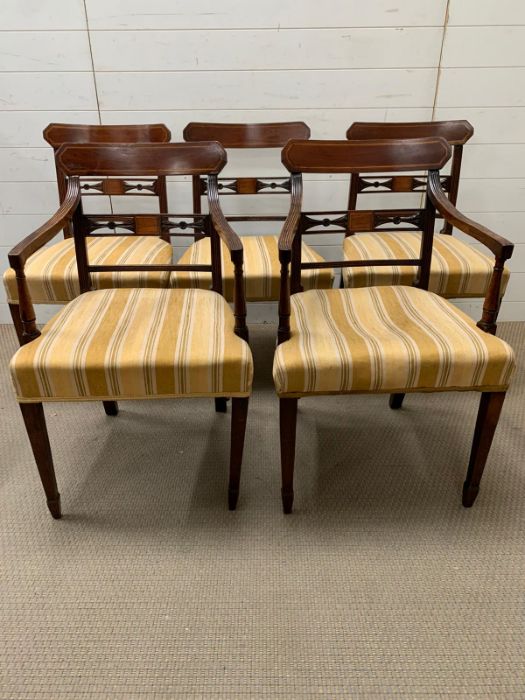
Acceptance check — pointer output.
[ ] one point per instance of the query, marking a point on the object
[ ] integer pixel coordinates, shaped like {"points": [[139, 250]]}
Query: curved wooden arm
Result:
{"points": [[234, 245], [289, 228], [23, 250], [501, 247], [223, 228], [286, 244]]}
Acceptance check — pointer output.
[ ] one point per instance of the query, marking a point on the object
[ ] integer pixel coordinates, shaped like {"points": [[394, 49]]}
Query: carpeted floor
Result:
{"points": [[380, 583]]}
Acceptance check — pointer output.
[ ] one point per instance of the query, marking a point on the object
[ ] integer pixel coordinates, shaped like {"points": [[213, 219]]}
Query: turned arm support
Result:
{"points": [[234, 244], [501, 247], [22, 251], [286, 246]]}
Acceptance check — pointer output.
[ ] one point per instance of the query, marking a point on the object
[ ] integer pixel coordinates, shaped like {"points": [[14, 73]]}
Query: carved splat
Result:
{"points": [[250, 185], [399, 183], [312, 221], [115, 186]]}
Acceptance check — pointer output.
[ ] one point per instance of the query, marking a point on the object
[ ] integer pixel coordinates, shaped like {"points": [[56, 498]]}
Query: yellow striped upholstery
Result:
{"points": [[261, 269], [135, 343], [52, 272], [457, 269], [386, 339]]}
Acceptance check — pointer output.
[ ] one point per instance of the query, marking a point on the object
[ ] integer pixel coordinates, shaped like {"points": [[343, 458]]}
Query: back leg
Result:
{"points": [[396, 401]]}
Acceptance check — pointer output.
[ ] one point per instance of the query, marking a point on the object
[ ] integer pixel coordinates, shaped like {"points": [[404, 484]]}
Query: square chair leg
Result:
{"points": [[288, 426], [14, 309], [35, 422], [488, 415], [111, 408], [238, 430], [221, 404]]}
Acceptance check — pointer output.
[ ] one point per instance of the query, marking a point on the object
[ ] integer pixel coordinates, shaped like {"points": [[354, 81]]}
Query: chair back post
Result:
{"points": [[427, 241], [293, 222], [216, 255], [81, 253], [295, 262], [57, 135], [352, 196], [455, 171]]}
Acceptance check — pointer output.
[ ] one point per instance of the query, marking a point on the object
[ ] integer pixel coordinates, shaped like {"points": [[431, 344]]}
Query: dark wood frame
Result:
{"points": [[429, 154], [200, 159], [58, 134], [241, 136]]}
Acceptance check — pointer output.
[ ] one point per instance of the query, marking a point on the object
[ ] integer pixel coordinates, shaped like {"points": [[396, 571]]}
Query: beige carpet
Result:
{"points": [[380, 584]]}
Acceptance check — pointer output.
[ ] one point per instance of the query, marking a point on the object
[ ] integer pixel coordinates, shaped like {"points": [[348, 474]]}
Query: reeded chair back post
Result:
{"points": [[57, 135], [456, 132], [353, 157], [243, 136]]}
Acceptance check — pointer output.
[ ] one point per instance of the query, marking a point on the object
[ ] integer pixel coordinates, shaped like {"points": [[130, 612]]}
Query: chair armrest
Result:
{"points": [[234, 245], [30, 244], [501, 247], [291, 223], [221, 225]]}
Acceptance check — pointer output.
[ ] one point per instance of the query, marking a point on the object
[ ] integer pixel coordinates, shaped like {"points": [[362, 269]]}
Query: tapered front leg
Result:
{"points": [[288, 426], [238, 430], [488, 415], [35, 422], [14, 309]]}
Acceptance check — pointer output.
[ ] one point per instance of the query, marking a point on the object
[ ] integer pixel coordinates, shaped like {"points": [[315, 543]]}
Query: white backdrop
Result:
{"points": [[327, 63]]}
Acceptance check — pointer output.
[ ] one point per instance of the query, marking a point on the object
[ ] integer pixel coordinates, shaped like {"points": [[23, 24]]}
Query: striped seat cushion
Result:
{"points": [[386, 339], [457, 269], [52, 274], [261, 269], [135, 344]]}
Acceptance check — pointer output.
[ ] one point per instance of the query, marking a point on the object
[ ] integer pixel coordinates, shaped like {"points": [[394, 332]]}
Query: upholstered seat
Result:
{"points": [[456, 270], [261, 269], [52, 275], [386, 339], [135, 344]]}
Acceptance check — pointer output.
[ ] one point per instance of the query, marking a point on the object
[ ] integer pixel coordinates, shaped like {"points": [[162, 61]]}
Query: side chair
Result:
{"points": [[384, 339], [51, 270], [457, 270], [138, 342], [262, 269]]}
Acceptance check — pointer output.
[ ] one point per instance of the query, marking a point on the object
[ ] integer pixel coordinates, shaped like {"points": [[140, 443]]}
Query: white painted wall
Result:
{"points": [[328, 63]]}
